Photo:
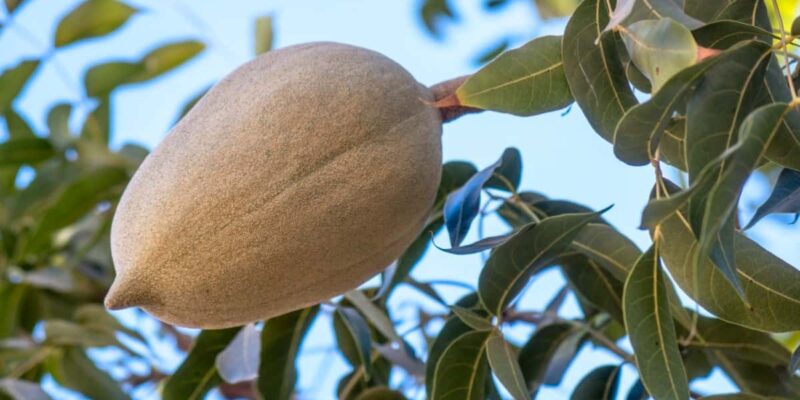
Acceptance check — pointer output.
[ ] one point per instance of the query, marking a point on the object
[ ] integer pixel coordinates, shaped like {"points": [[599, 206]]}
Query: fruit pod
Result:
{"points": [[296, 178]]}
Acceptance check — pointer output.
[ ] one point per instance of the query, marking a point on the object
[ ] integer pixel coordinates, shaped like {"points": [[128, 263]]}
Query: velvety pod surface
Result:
{"points": [[296, 178]]}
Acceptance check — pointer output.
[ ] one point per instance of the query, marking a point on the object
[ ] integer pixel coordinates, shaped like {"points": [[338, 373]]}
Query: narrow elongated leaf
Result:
{"points": [[453, 328], [638, 133], [525, 81], [652, 334], [546, 356], [460, 372], [756, 133], [101, 79], [263, 35], [534, 247], [609, 248], [13, 80], [358, 334], [600, 384], [594, 70], [92, 18], [504, 364], [239, 361], [375, 315], [785, 197], [97, 125], [24, 150], [660, 48], [281, 338], [73, 369], [473, 320], [58, 124], [167, 58], [198, 372], [774, 298]]}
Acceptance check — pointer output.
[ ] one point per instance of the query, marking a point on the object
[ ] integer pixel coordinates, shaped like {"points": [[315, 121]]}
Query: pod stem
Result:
{"points": [[444, 95]]}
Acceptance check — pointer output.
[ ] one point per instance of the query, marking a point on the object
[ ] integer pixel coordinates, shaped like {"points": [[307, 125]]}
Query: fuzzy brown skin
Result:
{"points": [[299, 176]]}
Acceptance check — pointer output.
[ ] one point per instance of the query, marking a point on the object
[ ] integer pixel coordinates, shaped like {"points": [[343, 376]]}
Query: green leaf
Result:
{"points": [[67, 333], [432, 12], [672, 145], [773, 297], [198, 372], [490, 53], [77, 199], [735, 396], [453, 328], [356, 333], [738, 342], [651, 331], [101, 79], [546, 356], [58, 124], [473, 320], [751, 12], [609, 248], [785, 197], [600, 384], [13, 5], [92, 18], [167, 58], [25, 150], [13, 80], [534, 247], [525, 81], [374, 314], [17, 126], [97, 125], [661, 9], [726, 33], [281, 338], [594, 284], [504, 364], [660, 48], [638, 133], [785, 146], [72, 368], [264, 35], [460, 372], [755, 135], [11, 297], [594, 71]]}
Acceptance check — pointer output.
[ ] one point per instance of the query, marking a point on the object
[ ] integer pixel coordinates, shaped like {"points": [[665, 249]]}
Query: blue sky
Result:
{"points": [[563, 157]]}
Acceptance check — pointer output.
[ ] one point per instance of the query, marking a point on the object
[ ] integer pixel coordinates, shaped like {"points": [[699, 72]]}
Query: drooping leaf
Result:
{"points": [[652, 334], [460, 373], [534, 247], [25, 150], [198, 372], [660, 49], [509, 174], [239, 361], [484, 244], [525, 81], [503, 361], [774, 300], [72, 368], [357, 333], [545, 357], [785, 197], [13, 80], [755, 135], [281, 338], [593, 70], [594, 284], [92, 18], [600, 384], [638, 133], [263, 36]]}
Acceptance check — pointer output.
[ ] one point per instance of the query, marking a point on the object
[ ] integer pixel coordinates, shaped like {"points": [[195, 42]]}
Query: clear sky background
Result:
{"points": [[562, 156]]}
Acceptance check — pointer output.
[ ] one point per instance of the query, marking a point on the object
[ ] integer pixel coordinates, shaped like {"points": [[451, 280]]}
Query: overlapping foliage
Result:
{"points": [[700, 86]]}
